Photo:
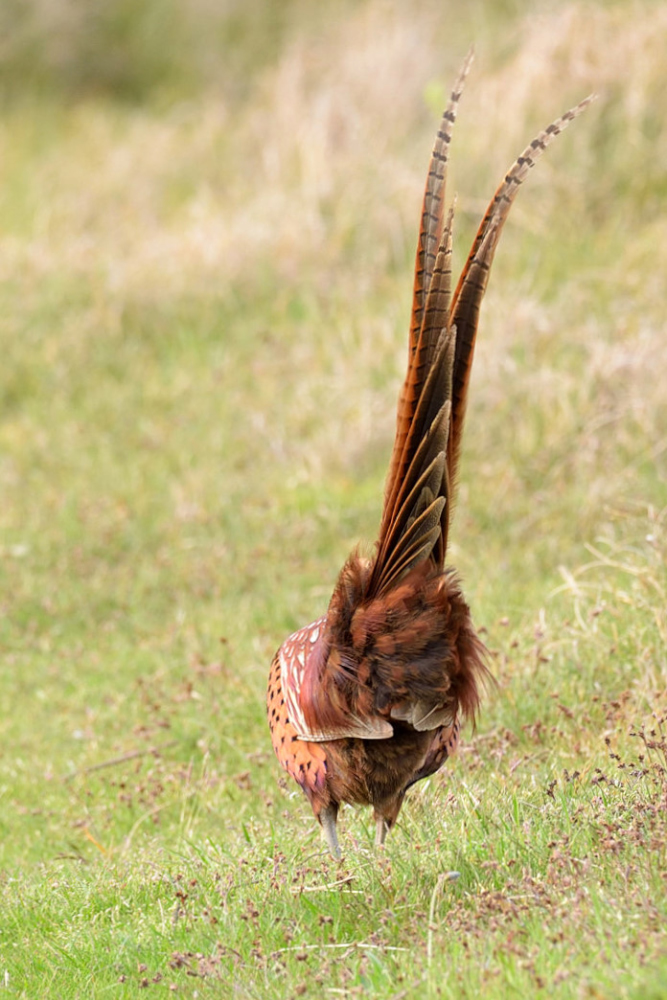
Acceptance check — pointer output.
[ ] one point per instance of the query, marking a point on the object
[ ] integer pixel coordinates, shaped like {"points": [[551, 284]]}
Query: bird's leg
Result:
{"points": [[381, 830], [327, 818], [385, 819]]}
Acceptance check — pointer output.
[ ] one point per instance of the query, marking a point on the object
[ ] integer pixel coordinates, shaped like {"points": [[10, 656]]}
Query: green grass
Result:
{"points": [[204, 307]]}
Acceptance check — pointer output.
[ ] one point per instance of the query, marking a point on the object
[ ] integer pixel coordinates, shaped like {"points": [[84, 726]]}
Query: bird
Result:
{"points": [[370, 698]]}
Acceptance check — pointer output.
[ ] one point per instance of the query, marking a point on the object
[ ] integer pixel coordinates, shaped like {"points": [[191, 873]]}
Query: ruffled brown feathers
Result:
{"points": [[410, 655]]}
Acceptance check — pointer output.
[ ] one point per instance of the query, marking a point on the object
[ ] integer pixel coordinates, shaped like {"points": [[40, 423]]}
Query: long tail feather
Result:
{"points": [[433, 204], [472, 283], [427, 437], [427, 266], [420, 371]]}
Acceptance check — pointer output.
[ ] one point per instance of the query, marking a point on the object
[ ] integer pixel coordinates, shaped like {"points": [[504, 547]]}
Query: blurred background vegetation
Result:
{"points": [[137, 52]]}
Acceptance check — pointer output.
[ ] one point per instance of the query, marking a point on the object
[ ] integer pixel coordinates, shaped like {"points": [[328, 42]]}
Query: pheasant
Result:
{"points": [[370, 698]]}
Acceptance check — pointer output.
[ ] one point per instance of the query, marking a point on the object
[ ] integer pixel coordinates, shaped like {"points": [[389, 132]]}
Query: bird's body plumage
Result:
{"points": [[370, 698]]}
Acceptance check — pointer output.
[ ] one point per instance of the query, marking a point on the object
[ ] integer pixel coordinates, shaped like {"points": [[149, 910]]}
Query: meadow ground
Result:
{"points": [[205, 271]]}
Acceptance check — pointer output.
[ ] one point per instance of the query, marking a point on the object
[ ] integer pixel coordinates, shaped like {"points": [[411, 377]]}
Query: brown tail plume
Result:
{"points": [[417, 505], [471, 287], [432, 266]]}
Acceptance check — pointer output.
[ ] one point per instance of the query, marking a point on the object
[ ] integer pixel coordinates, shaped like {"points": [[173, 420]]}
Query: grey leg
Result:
{"points": [[381, 830], [328, 818]]}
